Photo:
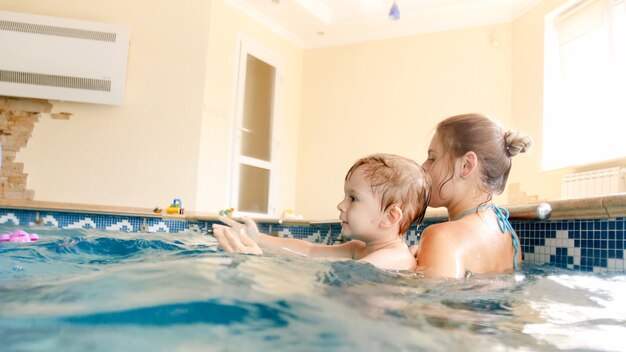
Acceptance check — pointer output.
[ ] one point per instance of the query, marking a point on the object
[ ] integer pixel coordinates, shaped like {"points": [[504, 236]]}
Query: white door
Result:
{"points": [[255, 145]]}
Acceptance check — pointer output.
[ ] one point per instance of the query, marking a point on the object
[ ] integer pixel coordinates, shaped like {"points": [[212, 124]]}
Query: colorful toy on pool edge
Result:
{"points": [[19, 236], [227, 212], [176, 207]]}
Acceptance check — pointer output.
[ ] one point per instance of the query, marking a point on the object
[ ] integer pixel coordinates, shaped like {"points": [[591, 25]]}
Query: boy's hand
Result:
{"points": [[230, 242], [248, 226]]}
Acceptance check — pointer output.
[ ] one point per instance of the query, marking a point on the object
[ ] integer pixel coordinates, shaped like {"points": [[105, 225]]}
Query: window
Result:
{"points": [[255, 146], [584, 84]]}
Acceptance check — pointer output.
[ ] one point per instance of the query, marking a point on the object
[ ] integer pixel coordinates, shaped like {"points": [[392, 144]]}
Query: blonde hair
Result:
{"points": [[399, 181], [493, 146]]}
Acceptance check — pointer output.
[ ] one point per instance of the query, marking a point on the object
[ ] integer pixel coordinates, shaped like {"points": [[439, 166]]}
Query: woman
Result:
{"points": [[469, 160]]}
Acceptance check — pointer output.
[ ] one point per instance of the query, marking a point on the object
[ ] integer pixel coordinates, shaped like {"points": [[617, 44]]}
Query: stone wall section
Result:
{"points": [[17, 121]]}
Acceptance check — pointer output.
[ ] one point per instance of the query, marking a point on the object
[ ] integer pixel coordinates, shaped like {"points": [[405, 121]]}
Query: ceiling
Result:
{"points": [[322, 23]]}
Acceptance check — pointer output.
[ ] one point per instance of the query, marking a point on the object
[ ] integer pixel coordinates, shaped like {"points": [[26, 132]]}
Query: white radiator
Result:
{"points": [[593, 183]]}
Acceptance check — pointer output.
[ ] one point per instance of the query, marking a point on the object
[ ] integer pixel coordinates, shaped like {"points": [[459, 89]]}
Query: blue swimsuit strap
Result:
{"points": [[502, 215]]}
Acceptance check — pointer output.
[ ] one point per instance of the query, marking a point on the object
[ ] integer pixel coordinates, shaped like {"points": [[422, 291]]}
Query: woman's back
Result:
{"points": [[473, 244], [487, 248], [469, 160]]}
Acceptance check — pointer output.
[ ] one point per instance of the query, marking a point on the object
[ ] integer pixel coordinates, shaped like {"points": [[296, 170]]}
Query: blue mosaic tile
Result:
{"points": [[582, 244], [69, 220], [566, 238]]}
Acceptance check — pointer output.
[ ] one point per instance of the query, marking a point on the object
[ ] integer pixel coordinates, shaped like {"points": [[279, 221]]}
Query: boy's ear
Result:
{"points": [[393, 215]]}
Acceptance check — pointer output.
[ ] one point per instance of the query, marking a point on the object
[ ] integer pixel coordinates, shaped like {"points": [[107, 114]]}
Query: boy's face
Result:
{"points": [[360, 208]]}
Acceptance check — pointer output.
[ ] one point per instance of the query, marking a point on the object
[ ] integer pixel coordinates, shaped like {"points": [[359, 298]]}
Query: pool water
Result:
{"points": [[88, 290]]}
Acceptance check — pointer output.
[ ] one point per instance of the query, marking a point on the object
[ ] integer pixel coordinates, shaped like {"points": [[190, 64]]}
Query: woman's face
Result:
{"points": [[437, 166]]}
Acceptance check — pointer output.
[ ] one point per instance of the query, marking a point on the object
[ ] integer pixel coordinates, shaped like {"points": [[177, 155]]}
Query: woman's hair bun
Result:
{"points": [[516, 143]]}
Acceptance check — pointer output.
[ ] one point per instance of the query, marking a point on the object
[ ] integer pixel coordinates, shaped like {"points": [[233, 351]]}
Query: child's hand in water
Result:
{"points": [[248, 226], [230, 242]]}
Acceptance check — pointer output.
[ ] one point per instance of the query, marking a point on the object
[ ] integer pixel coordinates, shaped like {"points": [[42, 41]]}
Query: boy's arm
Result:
{"points": [[305, 248], [287, 245], [231, 242], [249, 228]]}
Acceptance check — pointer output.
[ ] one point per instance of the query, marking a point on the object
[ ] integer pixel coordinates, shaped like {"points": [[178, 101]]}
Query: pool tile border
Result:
{"points": [[589, 245]]}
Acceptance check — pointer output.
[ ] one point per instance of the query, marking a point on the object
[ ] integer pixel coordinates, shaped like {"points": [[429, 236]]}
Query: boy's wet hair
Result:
{"points": [[399, 181]]}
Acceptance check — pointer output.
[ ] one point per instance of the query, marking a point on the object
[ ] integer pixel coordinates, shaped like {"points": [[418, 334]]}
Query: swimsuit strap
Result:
{"points": [[503, 221], [471, 211], [502, 215]]}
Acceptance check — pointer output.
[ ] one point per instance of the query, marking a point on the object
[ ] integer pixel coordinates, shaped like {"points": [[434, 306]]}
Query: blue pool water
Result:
{"points": [[89, 290]]}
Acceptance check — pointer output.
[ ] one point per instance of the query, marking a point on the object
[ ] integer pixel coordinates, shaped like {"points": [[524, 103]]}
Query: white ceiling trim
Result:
{"points": [[317, 9], [267, 22], [312, 24]]}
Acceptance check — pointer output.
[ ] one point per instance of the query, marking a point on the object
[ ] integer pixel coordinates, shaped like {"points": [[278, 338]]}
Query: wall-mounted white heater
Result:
{"points": [[62, 59], [594, 183]]}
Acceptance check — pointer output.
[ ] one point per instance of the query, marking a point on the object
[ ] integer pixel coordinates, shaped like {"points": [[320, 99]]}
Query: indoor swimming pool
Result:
{"points": [[88, 289]]}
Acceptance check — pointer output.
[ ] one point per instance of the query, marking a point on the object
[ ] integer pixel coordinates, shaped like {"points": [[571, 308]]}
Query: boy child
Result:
{"points": [[383, 195]]}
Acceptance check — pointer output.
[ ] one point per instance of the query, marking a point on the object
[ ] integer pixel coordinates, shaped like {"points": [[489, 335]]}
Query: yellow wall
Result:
{"points": [[143, 153], [172, 136], [387, 96], [227, 26], [528, 32]]}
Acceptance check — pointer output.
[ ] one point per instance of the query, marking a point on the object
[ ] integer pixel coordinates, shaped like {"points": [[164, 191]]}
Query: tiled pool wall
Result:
{"points": [[594, 245]]}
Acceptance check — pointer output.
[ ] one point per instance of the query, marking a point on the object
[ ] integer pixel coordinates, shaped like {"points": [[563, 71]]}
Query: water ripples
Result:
{"points": [[85, 289]]}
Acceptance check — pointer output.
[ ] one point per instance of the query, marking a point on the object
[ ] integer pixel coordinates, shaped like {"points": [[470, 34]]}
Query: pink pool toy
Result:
{"points": [[19, 236]]}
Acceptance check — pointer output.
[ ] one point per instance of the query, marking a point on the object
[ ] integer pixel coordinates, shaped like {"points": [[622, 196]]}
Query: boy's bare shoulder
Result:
{"points": [[394, 258]]}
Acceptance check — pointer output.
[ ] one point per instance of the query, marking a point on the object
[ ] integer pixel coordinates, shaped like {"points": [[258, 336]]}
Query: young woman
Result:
{"points": [[469, 160]]}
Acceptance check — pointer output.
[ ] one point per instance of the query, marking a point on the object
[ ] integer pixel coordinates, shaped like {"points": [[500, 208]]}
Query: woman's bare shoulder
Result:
{"points": [[438, 253], [447, 228], [436, 235]]}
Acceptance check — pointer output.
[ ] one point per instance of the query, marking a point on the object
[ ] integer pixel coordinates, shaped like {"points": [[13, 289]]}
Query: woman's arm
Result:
{"points": [[438, 255]]}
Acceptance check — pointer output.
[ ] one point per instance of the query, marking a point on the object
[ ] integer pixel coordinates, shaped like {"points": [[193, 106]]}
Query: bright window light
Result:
{"points": [[584, 118]]}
